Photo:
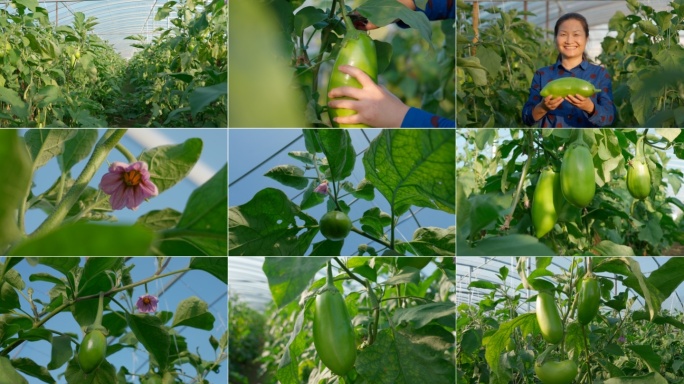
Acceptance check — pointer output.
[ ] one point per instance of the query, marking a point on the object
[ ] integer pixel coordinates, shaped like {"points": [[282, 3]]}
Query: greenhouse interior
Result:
{"points": [[569, 319], [92, 64], [287, 317]]}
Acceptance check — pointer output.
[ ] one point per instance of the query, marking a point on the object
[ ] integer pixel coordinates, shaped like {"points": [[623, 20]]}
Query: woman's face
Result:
{"points": [[571, 39]]}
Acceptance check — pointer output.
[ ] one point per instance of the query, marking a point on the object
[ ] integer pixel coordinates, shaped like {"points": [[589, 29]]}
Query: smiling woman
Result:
{"points": [[565, 109]]}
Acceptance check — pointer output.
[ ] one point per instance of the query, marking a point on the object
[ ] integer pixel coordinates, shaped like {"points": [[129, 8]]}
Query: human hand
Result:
{"points": [[581, 102], [549, 103], [374, 104]]}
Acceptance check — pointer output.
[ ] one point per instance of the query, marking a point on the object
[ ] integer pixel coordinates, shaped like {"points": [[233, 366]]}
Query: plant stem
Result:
{"points": [[102, 149], [66, 305], [523, 175], [124, 151], [364, 234]]}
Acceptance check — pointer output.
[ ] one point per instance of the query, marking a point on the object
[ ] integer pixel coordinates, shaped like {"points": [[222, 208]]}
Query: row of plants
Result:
{"points": [[601, 322], [180, 77], [60, 77], [642, 53], [66, 76], [569, 192]]}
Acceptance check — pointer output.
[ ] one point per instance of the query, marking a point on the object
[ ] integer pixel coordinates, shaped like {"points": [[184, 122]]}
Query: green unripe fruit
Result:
{"points": [[335, 225], [546, 202], [568, 86], [589, 300], [560, 372], [577, 175], [333, 331], [639, 179], [92, 351], [415, 262], [548, 318], [360, 53]]}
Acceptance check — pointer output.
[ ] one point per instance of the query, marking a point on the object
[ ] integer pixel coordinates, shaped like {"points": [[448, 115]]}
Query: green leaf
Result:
{"points": [[384, 54], [396, 357], [77, 148], [288, 277], [45, 277], [385, 12], [267, 226], [203, 96], [47, 95], [150, 331], [414, 168], [203, 223], [164, 11], [11, 97], [9, 299], [432, 241], [668, 276], [311, 141], [31, 368], [104, 374], [9, 375], [364, 190], [193, 312], [311, 198], [422, 315], [61, 351], [96, 265], [216, 266], [651, 378], [60, 264], [337, 147], [327, 248], [15, 163], [160, 219], [307, 17], [512, 245], [608, 248], [169, 164], [648, 356], [85, 239], [288, 175], [44, 144]]}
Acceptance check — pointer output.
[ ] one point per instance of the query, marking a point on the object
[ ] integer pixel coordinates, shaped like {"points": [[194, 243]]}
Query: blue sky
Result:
{"points": [[193, 283], [249, 147], [214, 156]]}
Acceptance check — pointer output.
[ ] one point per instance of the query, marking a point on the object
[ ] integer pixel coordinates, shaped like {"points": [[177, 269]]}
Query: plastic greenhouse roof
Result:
{"points": [[116, 19], [470, 269], [597, 12]]}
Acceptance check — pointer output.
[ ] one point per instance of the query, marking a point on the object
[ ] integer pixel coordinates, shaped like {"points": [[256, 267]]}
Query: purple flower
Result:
{"points": [[147, 303], [128, 185], [322, 188]]}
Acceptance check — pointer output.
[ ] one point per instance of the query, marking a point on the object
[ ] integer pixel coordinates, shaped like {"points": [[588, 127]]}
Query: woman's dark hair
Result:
{"points": [[574, 16]]}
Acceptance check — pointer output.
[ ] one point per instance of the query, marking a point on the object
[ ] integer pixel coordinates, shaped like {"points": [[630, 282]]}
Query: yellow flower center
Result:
{"points": [[132, 177], [146, 300]]}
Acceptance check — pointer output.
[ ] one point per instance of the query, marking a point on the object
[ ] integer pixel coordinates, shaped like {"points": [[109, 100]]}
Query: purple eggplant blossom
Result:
{"points": [[128, 185], [147, 303], [322, 188]]}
